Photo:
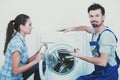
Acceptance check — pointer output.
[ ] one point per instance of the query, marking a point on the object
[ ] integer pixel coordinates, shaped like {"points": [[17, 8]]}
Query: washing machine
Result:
{"points": [[58, 64]]}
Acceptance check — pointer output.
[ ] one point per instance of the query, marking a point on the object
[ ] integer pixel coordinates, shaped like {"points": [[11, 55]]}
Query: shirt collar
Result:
{"points": [[20, 36]]}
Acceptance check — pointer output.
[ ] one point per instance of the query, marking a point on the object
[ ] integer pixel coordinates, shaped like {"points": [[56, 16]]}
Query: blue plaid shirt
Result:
{"points": [[17, 43]]}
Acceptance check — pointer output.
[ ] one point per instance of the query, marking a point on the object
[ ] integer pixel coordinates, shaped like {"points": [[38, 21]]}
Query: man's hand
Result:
{"points": [[65, 30], [76, 53]]}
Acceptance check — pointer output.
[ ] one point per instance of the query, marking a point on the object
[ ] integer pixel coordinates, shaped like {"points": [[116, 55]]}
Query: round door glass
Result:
{"points": [[60, 61]]}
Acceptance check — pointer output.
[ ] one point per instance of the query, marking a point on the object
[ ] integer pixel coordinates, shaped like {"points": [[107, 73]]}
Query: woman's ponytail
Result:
{"points": [[9, 34]]}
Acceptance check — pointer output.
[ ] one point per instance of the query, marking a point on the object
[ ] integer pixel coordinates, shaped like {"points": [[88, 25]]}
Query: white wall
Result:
{"points": [[50, 15]]}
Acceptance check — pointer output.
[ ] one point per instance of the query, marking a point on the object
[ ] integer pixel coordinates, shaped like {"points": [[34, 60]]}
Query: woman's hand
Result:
{"points": [[43, 48], [40, 53], [39, 57]]}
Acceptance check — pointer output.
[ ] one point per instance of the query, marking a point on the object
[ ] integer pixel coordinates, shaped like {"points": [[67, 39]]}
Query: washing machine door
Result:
{"points": [[59, 60], [59, 64]]}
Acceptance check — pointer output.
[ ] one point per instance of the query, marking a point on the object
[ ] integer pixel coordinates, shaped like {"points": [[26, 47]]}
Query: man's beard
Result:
{"points": [[95, 24]]}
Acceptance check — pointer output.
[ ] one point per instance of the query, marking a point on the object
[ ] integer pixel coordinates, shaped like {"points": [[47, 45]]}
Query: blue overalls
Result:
{"points": [[100, 72]]}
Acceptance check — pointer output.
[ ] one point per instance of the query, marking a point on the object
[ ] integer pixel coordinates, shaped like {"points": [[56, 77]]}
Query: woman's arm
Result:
{"points": [[16, 62], [32, 57], [42, 49]]}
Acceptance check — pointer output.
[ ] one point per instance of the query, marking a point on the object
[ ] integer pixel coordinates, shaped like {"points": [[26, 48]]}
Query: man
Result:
{"points": [[103, 46]]}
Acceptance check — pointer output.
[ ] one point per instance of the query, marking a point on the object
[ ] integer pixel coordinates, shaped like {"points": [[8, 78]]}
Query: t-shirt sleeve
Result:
{"points": [[107, 42], [16, 46]]}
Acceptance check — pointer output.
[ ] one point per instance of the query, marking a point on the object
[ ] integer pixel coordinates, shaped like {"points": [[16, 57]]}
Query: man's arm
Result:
{"points": [[77, 28], [101, 61]]}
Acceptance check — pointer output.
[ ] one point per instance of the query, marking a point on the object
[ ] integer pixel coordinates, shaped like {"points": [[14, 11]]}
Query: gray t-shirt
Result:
{"points": [[107, 45]]}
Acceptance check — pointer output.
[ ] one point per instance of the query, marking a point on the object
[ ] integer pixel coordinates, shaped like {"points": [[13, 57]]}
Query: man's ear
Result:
{"points": [[103, 17]]}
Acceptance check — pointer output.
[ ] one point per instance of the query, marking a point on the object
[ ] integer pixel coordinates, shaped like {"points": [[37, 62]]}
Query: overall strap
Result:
{"points": [[117, 58], [111, 32]]}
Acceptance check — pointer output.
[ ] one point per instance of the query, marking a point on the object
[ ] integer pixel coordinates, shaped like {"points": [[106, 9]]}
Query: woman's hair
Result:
{"points": [[13, 27]]}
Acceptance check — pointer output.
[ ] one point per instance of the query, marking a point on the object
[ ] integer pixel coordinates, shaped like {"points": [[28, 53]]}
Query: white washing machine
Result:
{"points": [[58, 64]]}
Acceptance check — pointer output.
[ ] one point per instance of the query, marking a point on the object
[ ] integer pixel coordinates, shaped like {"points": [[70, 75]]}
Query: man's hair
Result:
{"points": [[96, 6]]}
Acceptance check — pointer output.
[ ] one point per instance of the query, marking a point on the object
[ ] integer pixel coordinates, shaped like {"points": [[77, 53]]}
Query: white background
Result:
{"points": [[50, 15]]}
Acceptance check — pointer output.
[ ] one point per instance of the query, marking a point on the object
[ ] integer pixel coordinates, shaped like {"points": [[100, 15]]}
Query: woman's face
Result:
{"points": [[26, 29]]}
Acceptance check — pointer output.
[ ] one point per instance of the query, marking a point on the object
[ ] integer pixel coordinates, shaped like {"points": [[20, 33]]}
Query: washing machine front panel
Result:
{"points": [[59, 64]]}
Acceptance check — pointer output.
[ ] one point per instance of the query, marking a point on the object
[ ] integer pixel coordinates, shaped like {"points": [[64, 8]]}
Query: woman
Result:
{"points": [[17, 65]]}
